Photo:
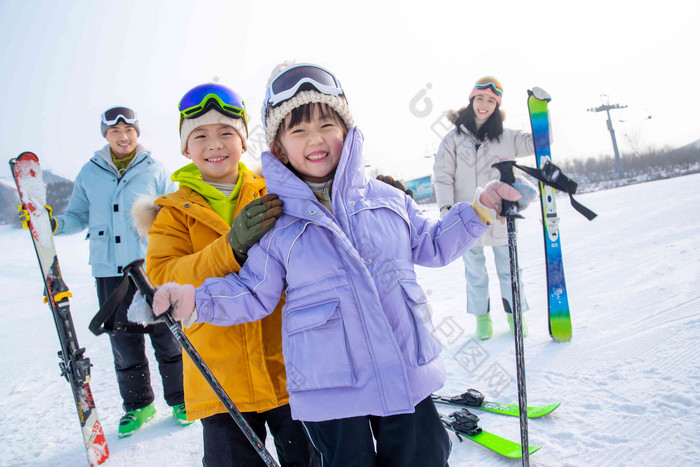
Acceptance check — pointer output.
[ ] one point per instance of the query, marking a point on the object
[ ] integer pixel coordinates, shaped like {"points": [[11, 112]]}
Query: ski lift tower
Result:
{"points": [[607, 107]]}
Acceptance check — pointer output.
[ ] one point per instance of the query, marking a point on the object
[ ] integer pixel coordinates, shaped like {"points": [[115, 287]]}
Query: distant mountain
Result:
{"points": [[694, 146], [685, 156], [8, 201], [50, 177]]}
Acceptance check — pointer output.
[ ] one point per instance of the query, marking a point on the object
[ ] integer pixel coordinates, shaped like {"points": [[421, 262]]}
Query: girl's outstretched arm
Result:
{"points": [[248, 296], [437, 243]]}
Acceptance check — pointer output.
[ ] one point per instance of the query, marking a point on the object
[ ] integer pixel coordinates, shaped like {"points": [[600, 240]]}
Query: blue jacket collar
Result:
{"points": [[103, 158]]}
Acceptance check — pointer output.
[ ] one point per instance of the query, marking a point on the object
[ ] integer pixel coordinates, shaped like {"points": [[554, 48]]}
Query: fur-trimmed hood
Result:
{"points": [[143, 213]]}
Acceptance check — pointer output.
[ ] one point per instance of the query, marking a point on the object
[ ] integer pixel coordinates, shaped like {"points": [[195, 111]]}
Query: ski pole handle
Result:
{"points": [[141, 280], [143, 283], [505, 169]]}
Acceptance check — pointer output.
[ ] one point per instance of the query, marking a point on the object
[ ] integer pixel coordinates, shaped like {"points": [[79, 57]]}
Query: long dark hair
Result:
{"points": [[492, 129]]}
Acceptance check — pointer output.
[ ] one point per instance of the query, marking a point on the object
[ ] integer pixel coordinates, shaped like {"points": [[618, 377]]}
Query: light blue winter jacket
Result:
{"points": [[356, 328], [101, 201]]}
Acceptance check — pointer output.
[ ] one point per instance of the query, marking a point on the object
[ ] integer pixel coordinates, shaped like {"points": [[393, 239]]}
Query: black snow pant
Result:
{"points": [[225, 445], [408, 440], [131, 362]]}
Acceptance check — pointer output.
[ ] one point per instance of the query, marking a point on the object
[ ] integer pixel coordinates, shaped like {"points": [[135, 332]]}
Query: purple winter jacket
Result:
{"points": [[357, 334]]}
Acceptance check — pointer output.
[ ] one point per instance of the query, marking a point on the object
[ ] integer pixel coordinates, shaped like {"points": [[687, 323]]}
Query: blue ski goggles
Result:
{"points": [[112, 116], [297, 78], [200, 99]]}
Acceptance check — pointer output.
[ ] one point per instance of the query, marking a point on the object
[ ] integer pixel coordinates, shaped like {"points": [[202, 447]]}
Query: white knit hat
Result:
{"points": [[212, 117], [276, 114]]}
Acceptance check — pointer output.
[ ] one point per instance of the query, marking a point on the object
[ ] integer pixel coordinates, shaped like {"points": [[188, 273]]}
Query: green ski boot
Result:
{"points": [[484, 327], [135, 419], [522, 319], [180, 414]]}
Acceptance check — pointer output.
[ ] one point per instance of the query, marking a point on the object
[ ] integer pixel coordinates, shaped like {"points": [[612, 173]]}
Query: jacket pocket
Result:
{"points": [[99, 244], [316, 352], [427, 345]]}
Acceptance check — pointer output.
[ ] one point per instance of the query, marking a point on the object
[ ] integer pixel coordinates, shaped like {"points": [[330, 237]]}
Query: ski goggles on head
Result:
{"points": [[112, 116], [494, 86], [202, 98], [301, 77]]}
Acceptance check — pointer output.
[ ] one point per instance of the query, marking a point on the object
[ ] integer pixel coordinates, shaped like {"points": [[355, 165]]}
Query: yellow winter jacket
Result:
{"points": [[188, 243]]}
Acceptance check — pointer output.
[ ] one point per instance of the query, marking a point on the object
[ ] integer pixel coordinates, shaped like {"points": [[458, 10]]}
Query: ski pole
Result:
{"points": [[509, 210], [145, 286]]}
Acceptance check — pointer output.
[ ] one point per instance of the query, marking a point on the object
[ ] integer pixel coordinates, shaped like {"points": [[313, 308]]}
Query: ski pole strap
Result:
{"points": [[552, 175], [102, 321]]}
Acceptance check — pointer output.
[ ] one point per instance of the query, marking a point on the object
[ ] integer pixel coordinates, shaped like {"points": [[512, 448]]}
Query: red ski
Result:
{"points": [[75, 367]]}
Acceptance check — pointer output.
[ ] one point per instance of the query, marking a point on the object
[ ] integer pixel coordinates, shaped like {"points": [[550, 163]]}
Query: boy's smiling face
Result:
{"points": [[313, 147], [216, 150]]}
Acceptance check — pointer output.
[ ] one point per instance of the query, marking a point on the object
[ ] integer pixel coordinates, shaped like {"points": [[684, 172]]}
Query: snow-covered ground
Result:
{"points": [[627, 381]]}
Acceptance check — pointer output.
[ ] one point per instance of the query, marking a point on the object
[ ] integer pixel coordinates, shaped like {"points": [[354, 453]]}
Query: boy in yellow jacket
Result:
{"points": [[192, 239]]}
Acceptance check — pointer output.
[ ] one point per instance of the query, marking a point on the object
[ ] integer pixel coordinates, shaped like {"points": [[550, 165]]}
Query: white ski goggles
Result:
{"points": [[300, 77], [112, 116]]}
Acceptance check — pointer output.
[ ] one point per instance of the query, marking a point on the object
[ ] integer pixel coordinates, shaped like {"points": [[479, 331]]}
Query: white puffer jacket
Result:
{"points": [[460, 167]]}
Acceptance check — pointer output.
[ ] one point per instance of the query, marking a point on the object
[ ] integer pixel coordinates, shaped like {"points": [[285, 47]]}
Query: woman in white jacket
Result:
{"points": [[463, 163]]}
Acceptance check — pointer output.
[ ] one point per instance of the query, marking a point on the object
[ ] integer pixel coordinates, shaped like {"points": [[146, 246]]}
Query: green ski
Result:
{"points": [[475, 399], [464, 424]]}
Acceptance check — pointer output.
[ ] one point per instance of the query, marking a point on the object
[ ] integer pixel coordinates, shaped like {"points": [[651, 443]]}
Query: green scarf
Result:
{"points": [[224, 206]]}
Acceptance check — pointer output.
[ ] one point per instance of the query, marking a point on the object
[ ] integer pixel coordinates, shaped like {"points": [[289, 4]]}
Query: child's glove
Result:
{"points": [[255, 220], [395, 183], [24, 217], [180, 297], [140, 312], [491, 196]]}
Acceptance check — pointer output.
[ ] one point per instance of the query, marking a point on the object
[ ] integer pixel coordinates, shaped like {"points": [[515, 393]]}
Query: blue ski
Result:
{"points": [[557, 298]]}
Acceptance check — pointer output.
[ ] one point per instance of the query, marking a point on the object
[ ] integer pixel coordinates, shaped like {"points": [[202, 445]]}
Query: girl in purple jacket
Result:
{"points": [[360, 353]]}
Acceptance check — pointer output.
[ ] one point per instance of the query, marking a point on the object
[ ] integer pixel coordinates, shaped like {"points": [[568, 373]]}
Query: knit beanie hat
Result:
{"points": [[212, 117], [488, 86], [275, 115]]}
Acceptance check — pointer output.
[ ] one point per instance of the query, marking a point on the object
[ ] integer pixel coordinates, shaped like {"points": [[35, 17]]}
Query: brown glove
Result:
{"points": [[395, 183]]}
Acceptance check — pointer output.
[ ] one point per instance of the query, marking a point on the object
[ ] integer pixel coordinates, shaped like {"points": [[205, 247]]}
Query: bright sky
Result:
{"points": [[402, 65]]}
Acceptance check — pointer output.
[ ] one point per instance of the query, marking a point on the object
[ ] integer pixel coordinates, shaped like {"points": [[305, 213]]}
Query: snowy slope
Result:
{"points": [[627, 381]]}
